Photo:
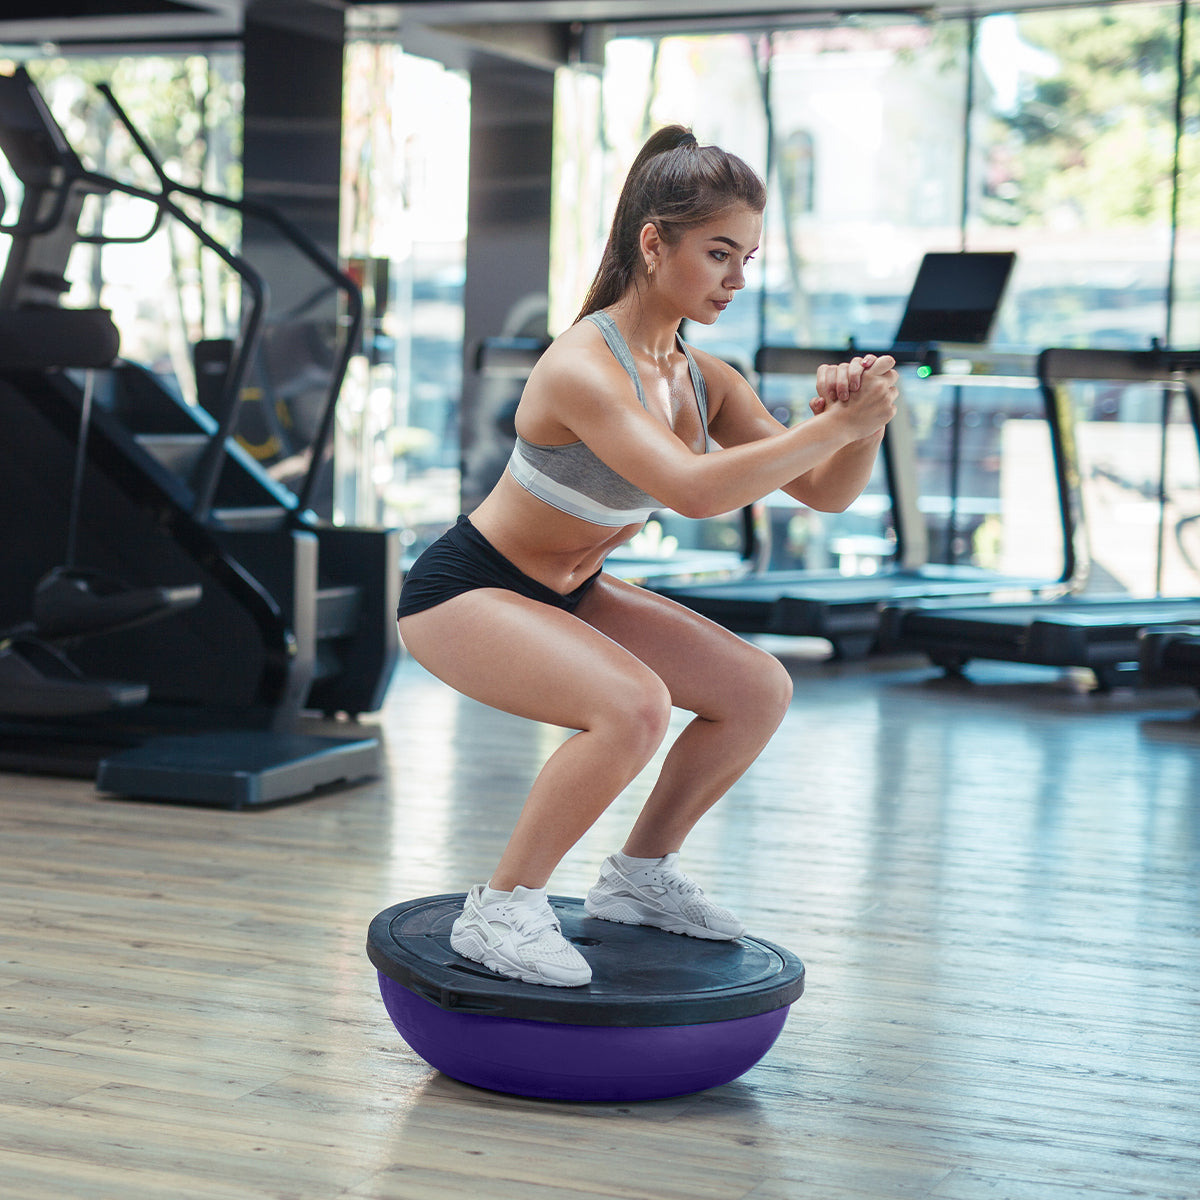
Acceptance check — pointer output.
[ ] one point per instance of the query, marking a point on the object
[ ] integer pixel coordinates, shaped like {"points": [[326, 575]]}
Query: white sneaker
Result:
{"points": [[520, 938], [660, 895]]}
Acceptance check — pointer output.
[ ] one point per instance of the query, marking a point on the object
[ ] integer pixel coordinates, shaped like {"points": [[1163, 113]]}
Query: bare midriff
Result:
{"points": [[550, 546]]}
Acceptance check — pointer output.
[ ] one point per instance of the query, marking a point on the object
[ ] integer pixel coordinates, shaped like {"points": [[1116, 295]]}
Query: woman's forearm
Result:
{"points": [[835, 484], [731, 478]]}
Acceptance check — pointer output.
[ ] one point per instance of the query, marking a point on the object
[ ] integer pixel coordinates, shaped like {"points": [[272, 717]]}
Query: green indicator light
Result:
{"points": [[924, 372]]}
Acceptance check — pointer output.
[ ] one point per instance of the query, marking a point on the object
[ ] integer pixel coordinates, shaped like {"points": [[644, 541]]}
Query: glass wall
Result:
{"points": [[1185, 309], [1072, 164], [404, 224]]}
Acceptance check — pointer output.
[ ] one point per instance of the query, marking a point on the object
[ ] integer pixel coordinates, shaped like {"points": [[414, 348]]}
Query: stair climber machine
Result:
{"points": [[171, 616]]}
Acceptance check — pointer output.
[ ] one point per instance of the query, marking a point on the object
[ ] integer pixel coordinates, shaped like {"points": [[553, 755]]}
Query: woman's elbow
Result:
{"points": [[827, 504], [820, 499], [687, 498], [697, 507]]}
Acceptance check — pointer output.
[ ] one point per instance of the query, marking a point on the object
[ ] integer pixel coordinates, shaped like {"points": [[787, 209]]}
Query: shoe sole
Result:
{"points": [[624, 914]]}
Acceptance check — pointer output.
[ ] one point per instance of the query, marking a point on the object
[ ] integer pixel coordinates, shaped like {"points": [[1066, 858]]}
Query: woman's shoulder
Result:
{"points": [[582, 333], [571, 387], [579, 357]]}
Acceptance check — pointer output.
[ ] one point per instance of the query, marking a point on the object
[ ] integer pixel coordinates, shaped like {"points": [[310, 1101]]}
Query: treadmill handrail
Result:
{"points": [[934, 358], [1159, 364], [804, 360], [1164, 365], [896, 448]]}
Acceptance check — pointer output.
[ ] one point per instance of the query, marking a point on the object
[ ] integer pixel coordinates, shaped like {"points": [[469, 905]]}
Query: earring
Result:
{"points": [[649, 270]]}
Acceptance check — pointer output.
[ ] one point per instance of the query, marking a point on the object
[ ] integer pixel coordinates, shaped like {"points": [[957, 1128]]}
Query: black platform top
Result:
{"points": [[640, 976]]}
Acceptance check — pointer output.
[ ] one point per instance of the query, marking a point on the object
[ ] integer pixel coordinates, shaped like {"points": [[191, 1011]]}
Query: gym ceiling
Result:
{"points": [[535, 24]]}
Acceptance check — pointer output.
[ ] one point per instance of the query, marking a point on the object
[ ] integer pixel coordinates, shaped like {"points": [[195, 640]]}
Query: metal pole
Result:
{"points": [[1180, 87], [968, 105]]}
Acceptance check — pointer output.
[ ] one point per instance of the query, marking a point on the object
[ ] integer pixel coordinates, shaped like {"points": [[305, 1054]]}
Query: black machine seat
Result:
{"points": [[41, 337]]}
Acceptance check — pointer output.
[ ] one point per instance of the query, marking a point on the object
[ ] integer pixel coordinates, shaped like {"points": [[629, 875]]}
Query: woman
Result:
{"points": [[511, 607]]}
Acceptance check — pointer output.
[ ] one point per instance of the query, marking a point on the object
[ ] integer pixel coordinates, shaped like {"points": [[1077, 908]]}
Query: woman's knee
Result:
{"points": [[778, 687], [758, 691], [637, 713]]}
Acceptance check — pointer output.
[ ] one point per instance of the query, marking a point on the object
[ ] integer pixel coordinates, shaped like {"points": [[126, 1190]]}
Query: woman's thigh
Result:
{"points": [[707, 669], [530, 659]]}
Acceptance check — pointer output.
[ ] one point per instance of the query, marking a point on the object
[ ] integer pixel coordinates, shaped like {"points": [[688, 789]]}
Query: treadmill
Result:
{"points": [[1096, 627], [928, 454]]}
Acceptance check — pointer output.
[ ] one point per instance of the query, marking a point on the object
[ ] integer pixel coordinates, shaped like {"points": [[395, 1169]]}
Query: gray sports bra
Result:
{"points": [[572, 478]]}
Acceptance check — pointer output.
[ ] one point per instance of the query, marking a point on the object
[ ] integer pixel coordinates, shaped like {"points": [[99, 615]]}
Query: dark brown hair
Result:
{"points": [[676, 184]]}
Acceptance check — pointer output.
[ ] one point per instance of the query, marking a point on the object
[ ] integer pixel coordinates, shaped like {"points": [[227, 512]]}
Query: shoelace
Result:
{"points": [[531, 922], [674, 880]]}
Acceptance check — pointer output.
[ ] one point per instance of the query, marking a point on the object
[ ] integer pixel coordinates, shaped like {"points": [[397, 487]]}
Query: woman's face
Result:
{"points": [[701, 272]]}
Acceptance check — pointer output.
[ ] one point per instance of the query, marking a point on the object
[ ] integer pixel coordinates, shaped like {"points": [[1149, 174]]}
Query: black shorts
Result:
{"points": [[461, 560]]}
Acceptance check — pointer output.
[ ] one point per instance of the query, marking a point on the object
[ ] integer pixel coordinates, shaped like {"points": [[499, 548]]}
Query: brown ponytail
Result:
{"points": [[677, 184]]}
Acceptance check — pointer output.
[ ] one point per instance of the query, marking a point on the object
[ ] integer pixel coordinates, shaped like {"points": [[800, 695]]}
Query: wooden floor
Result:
{"points": [[995, 888]]}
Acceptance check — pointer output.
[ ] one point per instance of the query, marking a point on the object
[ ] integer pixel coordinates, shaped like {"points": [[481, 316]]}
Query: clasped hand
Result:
{"points": [[866, 389]]}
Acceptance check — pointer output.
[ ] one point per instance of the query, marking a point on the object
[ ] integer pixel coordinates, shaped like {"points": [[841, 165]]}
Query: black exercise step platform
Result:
{"points": [[237, 769]]}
